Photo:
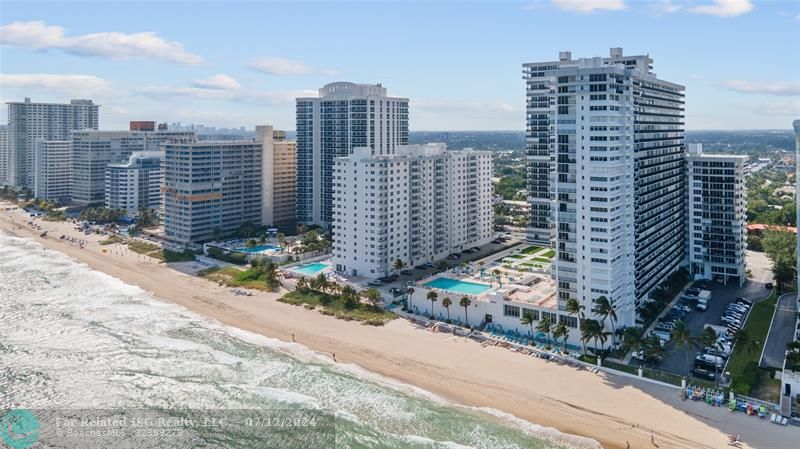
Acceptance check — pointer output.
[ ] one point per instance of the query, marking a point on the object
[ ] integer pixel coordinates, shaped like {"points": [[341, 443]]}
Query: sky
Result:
{"points": [[232, 64]]}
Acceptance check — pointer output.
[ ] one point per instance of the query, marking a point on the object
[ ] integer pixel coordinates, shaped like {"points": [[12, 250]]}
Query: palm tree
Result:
{"points": [[465, 303], [262, 239], [281, 237], [302, 285], [598, 333], [545, 327], [633, 339], [586, 332], [683, 337], [653, 350], [432, 296], [398, 264], [561, 331], [709, 339], [442, 266], [605, 309], [320, 283], [271, 276], [349, 297], [446, 302], [743, 342], [528, 320]]}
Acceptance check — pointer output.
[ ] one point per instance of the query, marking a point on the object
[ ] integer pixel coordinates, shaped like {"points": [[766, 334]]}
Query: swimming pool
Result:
{"points": [[258, 248], [310, 269], [456, 286]]}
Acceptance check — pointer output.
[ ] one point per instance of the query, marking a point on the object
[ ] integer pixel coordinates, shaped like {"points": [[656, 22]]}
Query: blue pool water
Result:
{"points": [[310, 269], [258, 248], [456, 286]]}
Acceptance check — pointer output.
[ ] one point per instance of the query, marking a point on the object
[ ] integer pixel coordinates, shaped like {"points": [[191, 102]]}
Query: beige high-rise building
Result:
{"points": [[279, 170]]}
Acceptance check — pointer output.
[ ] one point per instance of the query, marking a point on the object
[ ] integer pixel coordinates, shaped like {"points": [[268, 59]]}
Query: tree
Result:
{"points": [[410, 291], [262, 239], [442, 266], [783, 271], [742, 342], [302, 285], [527, 319], [302, 229], [561, 331], [432, 296], [373, 296], [271, 276], [633, 339], [709, 340], [320, 283], [446, 303], [683, 337], [349, 297], [398, 264], [545, 327], [606, 309], [653, 350], [781, 246], [597, 333], [587, 331], [465, 303], [281, 238]]}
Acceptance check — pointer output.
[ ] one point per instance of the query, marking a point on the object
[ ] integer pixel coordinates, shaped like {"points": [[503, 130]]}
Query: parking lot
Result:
{"points": [[674, 360]]}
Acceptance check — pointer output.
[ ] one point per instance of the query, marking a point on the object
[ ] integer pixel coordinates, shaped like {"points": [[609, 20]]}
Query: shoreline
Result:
{"points": [[610, 409]]}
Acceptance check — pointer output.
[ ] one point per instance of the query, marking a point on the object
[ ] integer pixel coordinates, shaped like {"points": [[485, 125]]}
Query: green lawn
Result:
{"points": [[235, 277], [548, 254], [155, 251], [111, 240], [531, 249], [541, 259], [661, 376], [333, 305], [757, 326], [515, 256]]}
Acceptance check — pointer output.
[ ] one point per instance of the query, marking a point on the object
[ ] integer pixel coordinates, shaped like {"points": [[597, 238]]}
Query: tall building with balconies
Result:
{"points": [[279, 170], [136, 183], [796, 125], [4, 179], [606, 176], [717, 215], [344, 116], [418, 205], [210, 187], [53, 170], [28, 122]]}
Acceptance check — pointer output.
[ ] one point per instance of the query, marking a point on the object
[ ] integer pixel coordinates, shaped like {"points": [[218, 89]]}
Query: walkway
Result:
{"points": [[781, 332]]}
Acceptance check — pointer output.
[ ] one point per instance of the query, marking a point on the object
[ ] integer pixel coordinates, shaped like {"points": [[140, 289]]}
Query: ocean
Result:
{"points": [[73, 339]]}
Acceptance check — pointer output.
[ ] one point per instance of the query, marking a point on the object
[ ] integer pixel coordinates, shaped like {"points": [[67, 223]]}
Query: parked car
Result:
{"points": [[701, 306], [768, 285], [703, 373], [741, 300], [710, 359], [375, 283], [684, 309], [406, 272], [692, 291], [475, 249]]}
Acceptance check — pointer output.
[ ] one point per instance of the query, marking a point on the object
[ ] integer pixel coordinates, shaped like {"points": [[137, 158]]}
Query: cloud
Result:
{"points": [[782, 88], [270, 98], [73, 85], [219, 82], [724, 8], [789, 108], [40, 36], [587, 6], [281, 66]]}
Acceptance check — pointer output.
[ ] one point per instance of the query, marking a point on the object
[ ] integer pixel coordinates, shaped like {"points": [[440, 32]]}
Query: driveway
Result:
{"points": [[721, 295], [781, 332]]}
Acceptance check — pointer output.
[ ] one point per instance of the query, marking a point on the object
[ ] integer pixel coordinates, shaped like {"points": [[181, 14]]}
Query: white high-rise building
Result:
{"points": [[29, 121], [418, 205], [210, 187], [796, 125], [53, 170], [4, 155], [717, 215], [606, 176], [135, 184], [344, 116]]}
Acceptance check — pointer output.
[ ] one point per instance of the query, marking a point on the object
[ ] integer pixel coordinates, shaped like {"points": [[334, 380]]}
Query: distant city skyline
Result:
{"points": [[459, 63]]}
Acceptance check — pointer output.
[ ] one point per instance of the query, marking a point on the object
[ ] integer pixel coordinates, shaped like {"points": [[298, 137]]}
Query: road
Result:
{"points": [[781, 332]]}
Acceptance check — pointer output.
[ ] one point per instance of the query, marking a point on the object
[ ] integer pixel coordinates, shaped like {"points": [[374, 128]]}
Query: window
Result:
{"points": [[510, 310]]}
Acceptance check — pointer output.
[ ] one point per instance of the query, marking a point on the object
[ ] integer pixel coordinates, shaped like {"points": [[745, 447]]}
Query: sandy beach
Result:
{"points": [[613, 410]]}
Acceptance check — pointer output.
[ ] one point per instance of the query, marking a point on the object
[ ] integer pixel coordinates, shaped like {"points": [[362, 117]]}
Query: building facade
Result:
{"points": [[717, 215], [28, 122], [418, 205], [53, 170], [135, 184], [279, 173], [210, 187], [142, 125], [92, 151], [4, 178], [344, 116], [796, 125], [606, 176]]}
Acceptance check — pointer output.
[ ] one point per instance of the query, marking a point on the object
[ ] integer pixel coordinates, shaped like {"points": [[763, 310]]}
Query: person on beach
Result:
{"points": [[334, 357], [293, 338]]}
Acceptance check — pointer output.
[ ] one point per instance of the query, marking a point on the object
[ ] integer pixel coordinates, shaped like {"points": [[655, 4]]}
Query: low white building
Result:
{"points": [[497, 296], [52, 170], [717, 215], [417, 205], [136, 183]]}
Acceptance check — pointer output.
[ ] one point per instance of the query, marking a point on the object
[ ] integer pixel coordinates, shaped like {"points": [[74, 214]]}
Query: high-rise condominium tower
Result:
{"points": [[3, 155], [796, 125], [343, 117], [279, 173], [606, 176], [29, 121]]}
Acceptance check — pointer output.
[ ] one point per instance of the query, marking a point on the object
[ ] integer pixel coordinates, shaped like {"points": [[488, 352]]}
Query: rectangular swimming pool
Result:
{"points": [[310, 269], [258, 249], [456, 286]]}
